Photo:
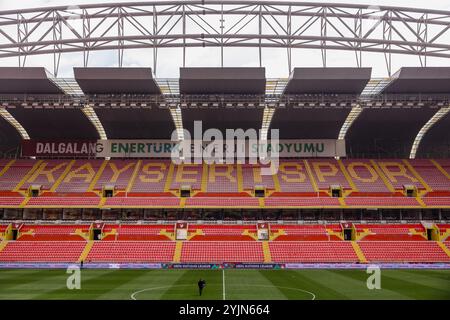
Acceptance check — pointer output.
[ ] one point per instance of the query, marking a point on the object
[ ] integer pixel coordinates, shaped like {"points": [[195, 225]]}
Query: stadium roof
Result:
{"points": [[223, 118], [139, 123], [388, 122], [420, 80], [9, 136], [222, 80], [437, 139], [29, 80], [116, 80], [50, 123], [309, 123], [387, 130], [328, 80]]}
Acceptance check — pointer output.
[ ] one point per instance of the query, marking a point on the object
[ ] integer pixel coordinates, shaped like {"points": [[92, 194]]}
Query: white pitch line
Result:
{"points": [[223, 283]]}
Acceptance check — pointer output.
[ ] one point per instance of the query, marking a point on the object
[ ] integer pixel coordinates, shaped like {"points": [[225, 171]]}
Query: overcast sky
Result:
{"points": [[169, 60]]}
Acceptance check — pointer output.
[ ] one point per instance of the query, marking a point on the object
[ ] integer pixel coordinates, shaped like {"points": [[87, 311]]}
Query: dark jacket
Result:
{"points": [[201, 283]]}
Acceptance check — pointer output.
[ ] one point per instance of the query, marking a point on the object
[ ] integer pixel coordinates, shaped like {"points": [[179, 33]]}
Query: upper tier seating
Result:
{"points": [[238, 202], [328, 172], [64, 202], [42, 251], [403, 251], [142, 201], [431, 173], [80, 177], [365, 175], [312, 251], [131, 251], [11, 201], [222, 251], [437, 201], [15, 172], [302, 202], [298, 183]]}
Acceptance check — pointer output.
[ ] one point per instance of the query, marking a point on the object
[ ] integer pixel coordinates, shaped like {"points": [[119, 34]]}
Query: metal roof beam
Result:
{"points": [[441, 113]]}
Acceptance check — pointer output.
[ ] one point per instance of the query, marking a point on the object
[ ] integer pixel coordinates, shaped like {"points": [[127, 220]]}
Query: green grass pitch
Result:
{"points": [[230, 284]]}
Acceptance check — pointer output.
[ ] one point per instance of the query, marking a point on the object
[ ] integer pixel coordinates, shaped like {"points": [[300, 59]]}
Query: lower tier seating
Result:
{"points": [[132, 251], [222, 251], [312, 251], [398, 251], [42, 251], [64, 202]]}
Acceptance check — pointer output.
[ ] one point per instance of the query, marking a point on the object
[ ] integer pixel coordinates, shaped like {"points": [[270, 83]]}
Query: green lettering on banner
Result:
{"points": [[254, 148], [298, 147], [320, 147], [141, 148], [309, 147], [159, 149], [123, 147], [114, 148]]}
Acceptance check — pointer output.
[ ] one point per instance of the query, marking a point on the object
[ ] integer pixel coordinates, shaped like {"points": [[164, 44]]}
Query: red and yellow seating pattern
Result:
{"points": [[155, 184], [315, 243]]}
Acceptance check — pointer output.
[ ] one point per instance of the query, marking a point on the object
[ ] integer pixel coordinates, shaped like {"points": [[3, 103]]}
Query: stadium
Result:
{"points": [[358, 182]]}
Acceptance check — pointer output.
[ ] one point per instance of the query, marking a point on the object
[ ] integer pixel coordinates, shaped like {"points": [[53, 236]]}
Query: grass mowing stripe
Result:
{"points": [[239, 284], [318, 282], [436, 274], [409, 287], [29, 285], [155, 284], [251, 284], [425, 279], [94, 283], [354, 283], [43, 281], [186, 286]]}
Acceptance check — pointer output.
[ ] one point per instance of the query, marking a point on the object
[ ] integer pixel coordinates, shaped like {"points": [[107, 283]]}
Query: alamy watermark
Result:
{"points": [[374, 280], [238, 146], [73, 281]]}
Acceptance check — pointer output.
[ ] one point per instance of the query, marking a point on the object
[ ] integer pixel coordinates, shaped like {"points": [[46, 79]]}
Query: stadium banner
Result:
{"points": [[164, 148], [261, 266], [191, 266], [61, 148]]}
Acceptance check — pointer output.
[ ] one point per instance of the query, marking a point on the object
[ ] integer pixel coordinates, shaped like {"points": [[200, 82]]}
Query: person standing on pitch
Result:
{"points": [[201, 285]]}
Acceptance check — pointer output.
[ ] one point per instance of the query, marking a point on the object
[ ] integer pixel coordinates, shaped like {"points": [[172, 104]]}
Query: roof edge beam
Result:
{"points": [[16, 124], [94, 119], [441, 113]]}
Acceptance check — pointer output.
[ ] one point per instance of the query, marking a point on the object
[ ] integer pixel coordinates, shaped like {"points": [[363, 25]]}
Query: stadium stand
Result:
{"points": [[131, 251], [403, 251], [150, 183], [42, 251], [379, 206], [312, 251], [213, 243], [53, 232], [222, 251], [221, 232], [401, 232]]}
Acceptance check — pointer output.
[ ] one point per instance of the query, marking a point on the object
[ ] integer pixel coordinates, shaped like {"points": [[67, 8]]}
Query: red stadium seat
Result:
{"points": [[42, 251]]}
